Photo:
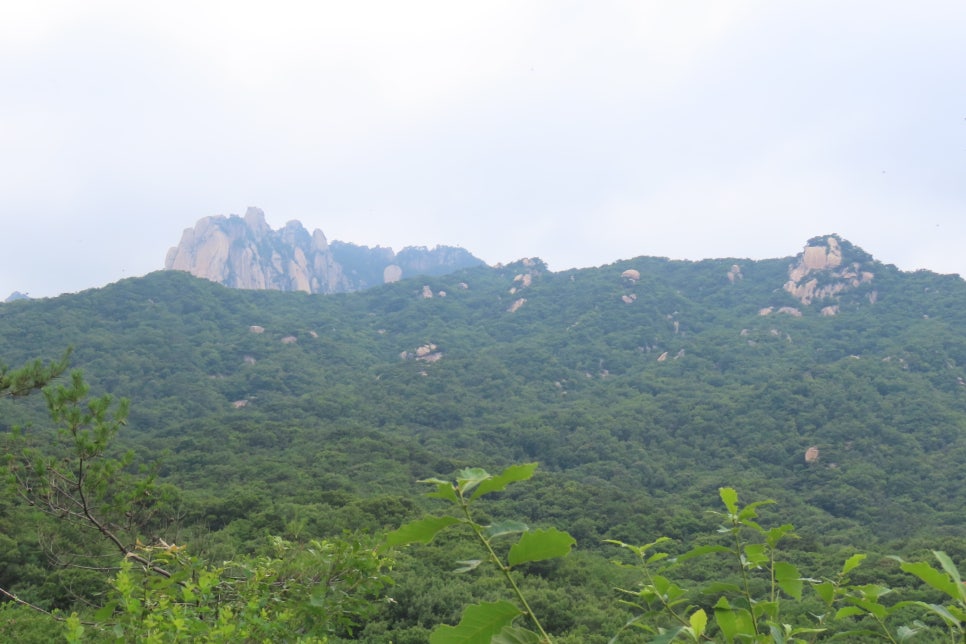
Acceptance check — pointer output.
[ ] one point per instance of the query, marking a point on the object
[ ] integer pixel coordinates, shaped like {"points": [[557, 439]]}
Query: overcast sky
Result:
{"points": [[578, 132]]}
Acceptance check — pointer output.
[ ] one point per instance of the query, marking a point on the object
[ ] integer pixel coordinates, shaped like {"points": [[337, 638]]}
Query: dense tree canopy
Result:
{"points": [[303, 417]]}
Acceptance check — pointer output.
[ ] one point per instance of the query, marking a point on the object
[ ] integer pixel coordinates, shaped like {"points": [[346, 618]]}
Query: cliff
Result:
{"points": [[244, 252]]}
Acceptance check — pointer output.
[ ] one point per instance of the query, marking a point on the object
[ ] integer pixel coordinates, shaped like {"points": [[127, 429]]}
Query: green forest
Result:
{"points": [[652, 450]]}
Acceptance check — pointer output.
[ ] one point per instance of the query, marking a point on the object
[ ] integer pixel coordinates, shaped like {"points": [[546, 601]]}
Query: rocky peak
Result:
{"points": [[244, 252], [17, 295], [827, 267]]}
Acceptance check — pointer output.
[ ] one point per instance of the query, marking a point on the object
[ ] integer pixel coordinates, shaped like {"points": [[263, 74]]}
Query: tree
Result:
{"points": [[309, 589]]}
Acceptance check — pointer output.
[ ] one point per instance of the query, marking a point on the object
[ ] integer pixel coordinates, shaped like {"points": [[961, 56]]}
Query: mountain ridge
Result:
{"points": [[245, 252], [641, 387]]}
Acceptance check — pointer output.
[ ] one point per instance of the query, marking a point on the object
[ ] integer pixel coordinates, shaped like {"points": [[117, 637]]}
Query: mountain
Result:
{"points": [[244, 252], [827, 381], [17, 295]]}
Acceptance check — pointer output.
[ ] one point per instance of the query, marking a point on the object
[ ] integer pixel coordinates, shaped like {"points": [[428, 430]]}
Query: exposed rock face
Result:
{"points": [[827, 267], [516, 305], [244, 252], [631, 274], [426, 353], [735, 274]]}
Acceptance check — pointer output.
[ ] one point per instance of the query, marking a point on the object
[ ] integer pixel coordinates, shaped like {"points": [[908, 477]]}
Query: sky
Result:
{"points": [[581, 133]]}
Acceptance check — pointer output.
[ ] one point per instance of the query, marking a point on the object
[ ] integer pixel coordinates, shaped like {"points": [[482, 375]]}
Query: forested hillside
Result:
{"points": [[641, 388]]}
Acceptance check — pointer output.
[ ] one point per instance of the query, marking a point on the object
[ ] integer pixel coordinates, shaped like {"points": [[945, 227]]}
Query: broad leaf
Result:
{"points": [[698, 621], [755, 554], [825, 590], [849, 611], [105, 613], [777, 636], [478, 625], [931, 576], [468, 478], [505, 527], [700, 550], [788, 578], [720, 587], [776, 534], [511, 474], [726, 619], [872, 607], [943, 612], [851, 563], [444, 490], [468, 565], [667, 636], [515, 635], [419, 531], [905, 633], [953, 572], [766, 609], [750, 512], [730, 498], [539, 545]]}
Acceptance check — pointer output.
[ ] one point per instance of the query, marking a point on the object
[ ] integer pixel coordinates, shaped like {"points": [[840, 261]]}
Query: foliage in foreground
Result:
{"points": [[760, 602], [305, 590], [317, 589], [483, 622]]}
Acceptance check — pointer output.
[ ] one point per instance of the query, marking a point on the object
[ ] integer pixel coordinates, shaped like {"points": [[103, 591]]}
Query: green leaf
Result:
{"points": [[873, 607], [504, 527], [905, 633], [419, 531], [776, 534], [511, 474], [755, 554], [766, 609], [539, 545], [825, 590], [726, 619], [943, 612], [777, 637], [721, 587], [468, 478], [931, 576], [700, 550], [730, 498], [698, 621], [468, 565], [952, 571], [849, 611], [105, 613], [478, 625], [750, 511], [515, 635], [852, 562], [444, 490], [789, 579], [667, 636]]}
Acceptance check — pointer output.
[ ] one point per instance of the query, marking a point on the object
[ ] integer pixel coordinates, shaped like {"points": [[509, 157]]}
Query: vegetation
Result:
{"points": [[274, 439]]}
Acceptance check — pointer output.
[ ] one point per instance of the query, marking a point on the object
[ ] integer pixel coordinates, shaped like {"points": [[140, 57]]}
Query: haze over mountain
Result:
{"points": [[244, 252]]}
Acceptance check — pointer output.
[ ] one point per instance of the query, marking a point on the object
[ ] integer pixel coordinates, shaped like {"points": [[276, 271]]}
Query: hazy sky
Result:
{"points": [[577, 132]]}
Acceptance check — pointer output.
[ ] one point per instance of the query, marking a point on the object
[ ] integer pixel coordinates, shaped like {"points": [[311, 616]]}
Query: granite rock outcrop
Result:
{"points": [[245, 252]]}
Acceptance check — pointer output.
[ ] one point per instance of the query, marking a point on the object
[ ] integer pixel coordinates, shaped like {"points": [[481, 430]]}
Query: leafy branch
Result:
{"points": [[76, 480], [493, 621]]}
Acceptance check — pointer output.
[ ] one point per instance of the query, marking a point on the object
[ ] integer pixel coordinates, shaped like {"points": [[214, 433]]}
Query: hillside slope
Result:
{"points": [[650, 382]]}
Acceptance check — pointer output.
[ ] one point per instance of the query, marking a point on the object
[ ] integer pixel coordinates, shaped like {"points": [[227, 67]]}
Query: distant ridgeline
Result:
{"points": [[17, 295], [244, 252], [829, 381]]}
